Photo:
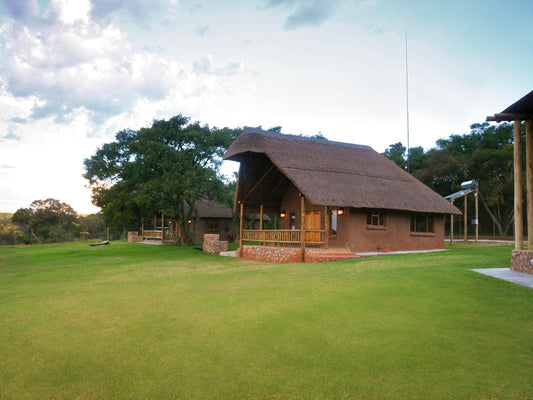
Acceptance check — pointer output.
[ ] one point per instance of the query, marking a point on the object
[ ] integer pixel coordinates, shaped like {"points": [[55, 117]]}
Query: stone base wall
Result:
{"points": [[271, 254], [133, 237], [292, 254], [213, 245], [522, 261]]}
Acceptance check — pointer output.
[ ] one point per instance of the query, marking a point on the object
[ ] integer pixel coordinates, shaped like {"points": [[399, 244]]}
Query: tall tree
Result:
{"points": [[50, 218], [165, 167]]}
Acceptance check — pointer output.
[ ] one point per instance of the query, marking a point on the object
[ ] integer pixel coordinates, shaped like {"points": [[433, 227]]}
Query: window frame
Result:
{"points": [[381, 219], [425, 220]]}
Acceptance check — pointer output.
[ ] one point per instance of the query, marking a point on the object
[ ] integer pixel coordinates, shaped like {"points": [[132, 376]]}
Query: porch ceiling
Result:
{"points": [[260, 182]]}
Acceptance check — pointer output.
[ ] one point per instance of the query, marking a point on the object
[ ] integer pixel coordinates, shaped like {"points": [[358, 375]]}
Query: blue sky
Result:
{"points": [[74, 72]]}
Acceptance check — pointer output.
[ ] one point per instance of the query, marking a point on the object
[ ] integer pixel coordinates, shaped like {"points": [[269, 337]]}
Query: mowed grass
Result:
{"points": [[128, 321]]}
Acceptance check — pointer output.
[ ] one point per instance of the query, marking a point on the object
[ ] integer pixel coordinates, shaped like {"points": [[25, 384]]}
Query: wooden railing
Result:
{"points": [[283, 236], [156, 234]]}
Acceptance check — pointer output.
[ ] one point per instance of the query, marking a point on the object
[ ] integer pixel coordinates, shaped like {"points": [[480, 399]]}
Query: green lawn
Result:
{"points": [[128, 321]]}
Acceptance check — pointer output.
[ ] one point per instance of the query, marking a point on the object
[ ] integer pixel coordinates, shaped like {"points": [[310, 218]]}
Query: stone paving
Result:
{"points": [[506, 274]]}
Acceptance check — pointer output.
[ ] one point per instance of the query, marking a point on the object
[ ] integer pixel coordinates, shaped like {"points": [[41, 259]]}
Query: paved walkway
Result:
{"points": [[519, 278]]}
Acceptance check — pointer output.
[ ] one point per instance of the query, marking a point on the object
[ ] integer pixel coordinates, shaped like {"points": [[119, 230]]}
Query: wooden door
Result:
{"points": [[312, 223]]}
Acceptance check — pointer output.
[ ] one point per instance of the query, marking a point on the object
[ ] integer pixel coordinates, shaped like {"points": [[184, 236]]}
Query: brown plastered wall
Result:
{"points": [[353, 233], [395, 236], [291, 203], [223, 229]]}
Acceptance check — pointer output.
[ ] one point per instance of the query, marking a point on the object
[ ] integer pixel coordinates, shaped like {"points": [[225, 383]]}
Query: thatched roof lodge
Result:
{"points": [[335, 194]]}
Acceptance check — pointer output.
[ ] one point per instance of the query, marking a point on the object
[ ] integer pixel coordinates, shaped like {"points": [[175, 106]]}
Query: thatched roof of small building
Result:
{"points": [[327, 173], [211, 209]]}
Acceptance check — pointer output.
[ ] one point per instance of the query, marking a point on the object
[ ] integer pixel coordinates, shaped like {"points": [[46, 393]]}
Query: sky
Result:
{"points": [[75, 72]]}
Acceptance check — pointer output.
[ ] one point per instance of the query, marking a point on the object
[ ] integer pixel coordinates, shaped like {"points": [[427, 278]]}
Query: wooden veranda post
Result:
{"points": [[260, 222], [451, 226], [240, 229], [466, 221], [162, 227], [302, 211], [477, 215], [529, 180], [326, 227], [518, 228]]}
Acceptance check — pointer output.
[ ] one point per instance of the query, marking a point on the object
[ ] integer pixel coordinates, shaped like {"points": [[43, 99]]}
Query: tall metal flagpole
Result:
{"points": [[407, 103]]}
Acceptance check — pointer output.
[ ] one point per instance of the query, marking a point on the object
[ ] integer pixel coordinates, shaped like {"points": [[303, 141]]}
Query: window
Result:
{"points": [[375, 218], [421, 223], [333, 222], [212, 224]]}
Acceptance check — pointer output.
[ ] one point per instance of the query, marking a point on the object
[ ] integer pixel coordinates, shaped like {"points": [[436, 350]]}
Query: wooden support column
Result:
{"points": [[518, 228], [162, 227], [261, 221], [529, 181], [451, 226], [477, 215], [142, 228], [240, 228], [326, 226], [302, 227], [466, 220]]}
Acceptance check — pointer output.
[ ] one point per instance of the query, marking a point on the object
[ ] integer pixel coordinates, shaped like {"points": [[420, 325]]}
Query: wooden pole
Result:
{"points": [[260, 222], [326, 226], [466, 220], [529, 181], [240, 229], [162, 227], [302, 227], [142, 228], [518, 228], [477, 215], [451, 226]]}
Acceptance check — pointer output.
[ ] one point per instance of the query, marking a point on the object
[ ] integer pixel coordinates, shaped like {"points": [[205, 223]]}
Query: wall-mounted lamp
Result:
{"points": [[340, 211], [189, 221], [283, 215]]}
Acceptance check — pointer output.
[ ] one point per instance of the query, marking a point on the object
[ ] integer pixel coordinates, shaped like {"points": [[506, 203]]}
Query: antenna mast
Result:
{"points": [[407, 103]]}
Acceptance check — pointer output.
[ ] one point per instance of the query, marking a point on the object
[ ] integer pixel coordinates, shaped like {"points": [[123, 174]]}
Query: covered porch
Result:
{"points": [[521, 110], [158, 231], [303, 230]]}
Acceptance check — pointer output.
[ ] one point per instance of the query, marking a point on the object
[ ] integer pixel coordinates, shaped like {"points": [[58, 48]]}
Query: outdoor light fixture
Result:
{"points": [[340, 211], [283, 215], [189, 221]]}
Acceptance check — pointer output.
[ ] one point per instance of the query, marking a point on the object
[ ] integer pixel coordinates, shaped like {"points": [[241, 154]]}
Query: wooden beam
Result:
{"points": [[281, 181], [259, 182], [529, 182], [509, 117], [518, 228]]}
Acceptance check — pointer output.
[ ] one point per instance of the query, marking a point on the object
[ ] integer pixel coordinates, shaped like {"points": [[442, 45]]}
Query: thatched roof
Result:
{"points": [[211, 209], [327, 173]]}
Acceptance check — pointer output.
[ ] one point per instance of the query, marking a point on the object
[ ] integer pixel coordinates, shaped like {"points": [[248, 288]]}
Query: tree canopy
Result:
{"points": [[162, 168], [49, 218]]}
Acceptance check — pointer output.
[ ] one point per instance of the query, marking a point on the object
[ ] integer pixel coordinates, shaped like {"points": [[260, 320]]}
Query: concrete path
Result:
{"points": [[519, 278]]}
